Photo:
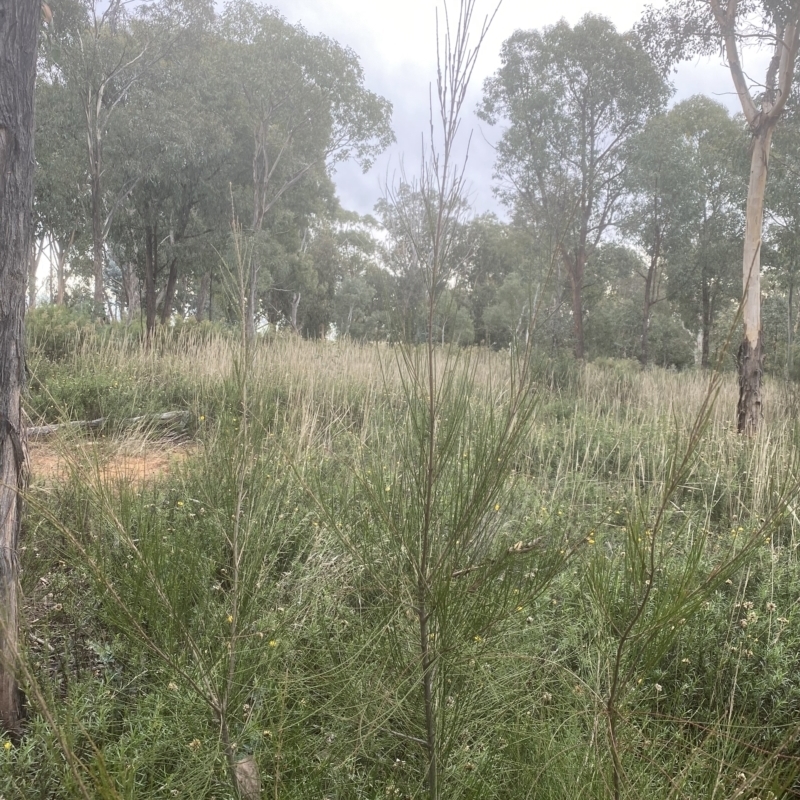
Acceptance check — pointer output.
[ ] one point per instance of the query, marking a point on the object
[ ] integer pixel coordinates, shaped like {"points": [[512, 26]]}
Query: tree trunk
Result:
{"points": [[19, 24], [151, 266], [651, 281], [295, 306], [751, 353], [97, 233], [132, 289], [169, 291], [61, 262], [260, 181], [649, 302], [790, 330], [203, 292], [250, 305], [705, 353], [33, 268], [575, 269]]}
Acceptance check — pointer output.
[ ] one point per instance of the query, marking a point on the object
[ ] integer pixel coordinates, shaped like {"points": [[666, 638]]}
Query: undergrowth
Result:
{"points": [[149, 676]]}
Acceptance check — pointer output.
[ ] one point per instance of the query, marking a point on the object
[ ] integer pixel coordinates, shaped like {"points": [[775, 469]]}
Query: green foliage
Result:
{"points": [[56, 332], [130, 584]]}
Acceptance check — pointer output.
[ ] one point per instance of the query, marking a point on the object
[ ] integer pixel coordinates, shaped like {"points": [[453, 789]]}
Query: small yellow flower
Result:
{"points": [[202, 418], [497, 506], [180, 503], [230, 617], [520, 608], [478, 638], [273, 642], [7, 746]]}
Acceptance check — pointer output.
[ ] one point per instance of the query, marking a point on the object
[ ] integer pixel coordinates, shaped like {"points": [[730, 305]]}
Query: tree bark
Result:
{"points": [[19, 24], [250, 306], [62, 250], [705, 352], [98, 235], [203, 293], [790, 330], [651, 279], [151, 267], [750, 360], [751, 353], [169, 291], [33, 268], [576, 267], [131, 287], [295, 306]]}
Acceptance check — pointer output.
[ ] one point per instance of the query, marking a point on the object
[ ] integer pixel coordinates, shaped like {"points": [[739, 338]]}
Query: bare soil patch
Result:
{"points": [[136, 461]]}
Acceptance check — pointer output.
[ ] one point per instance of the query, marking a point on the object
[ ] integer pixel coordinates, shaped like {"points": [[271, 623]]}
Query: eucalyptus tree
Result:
{"points": [[409, 250], [683, 211], [97, 52], [783, 219], [172, 173], [572, 99], [496, 250], [702, 256], [659, 179], [345, 252], [687, 27], [62, 201], [19, 25], [303, 100]]}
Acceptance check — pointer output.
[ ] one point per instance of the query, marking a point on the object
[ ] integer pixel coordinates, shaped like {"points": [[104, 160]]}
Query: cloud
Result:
{"points": [[396, 43]]}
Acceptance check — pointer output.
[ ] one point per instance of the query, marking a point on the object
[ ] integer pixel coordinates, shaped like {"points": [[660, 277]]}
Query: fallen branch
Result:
{"points": [[167, 418], [515, 550]]}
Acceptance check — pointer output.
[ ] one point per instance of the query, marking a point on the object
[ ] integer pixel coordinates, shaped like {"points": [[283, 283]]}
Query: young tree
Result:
{"points": [[573, 98], [19, 23], [686, 27]]}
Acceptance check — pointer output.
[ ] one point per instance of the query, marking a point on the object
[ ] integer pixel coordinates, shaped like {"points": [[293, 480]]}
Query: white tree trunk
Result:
{"points": [[751, 355]]}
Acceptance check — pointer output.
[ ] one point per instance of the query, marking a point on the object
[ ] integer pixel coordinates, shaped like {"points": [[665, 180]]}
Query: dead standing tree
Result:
{"points": [[19, 24]]}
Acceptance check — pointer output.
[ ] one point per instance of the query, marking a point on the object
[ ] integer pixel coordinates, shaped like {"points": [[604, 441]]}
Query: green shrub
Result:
{"points": [[56, 332]]}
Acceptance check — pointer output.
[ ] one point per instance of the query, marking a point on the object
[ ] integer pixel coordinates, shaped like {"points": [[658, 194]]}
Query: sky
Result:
{"points": [[396, 43]]}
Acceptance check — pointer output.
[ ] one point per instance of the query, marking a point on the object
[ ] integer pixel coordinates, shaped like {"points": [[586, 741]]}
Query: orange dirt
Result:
{"points": [[136, 461]]}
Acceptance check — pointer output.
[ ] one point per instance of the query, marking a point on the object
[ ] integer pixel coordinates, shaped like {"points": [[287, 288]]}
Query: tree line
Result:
{"points": [[160, 126]]}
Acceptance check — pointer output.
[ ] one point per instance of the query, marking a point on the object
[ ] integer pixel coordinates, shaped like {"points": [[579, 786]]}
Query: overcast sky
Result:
{"points": [[395, 40]]}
